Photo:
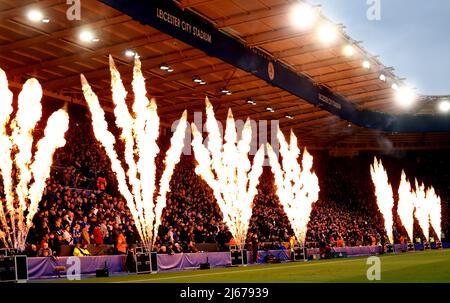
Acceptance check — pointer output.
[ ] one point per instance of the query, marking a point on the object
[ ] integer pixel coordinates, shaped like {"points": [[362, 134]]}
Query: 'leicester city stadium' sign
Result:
{"points": [[183, 25]]}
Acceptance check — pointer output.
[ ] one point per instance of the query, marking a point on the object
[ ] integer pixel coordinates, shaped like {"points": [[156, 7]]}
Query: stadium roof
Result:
{"points": [[54, 53]]}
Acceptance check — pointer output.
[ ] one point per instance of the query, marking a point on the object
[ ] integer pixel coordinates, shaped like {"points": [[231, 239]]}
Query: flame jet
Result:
{"points": [[384, 196], [226, 167], [428, 210], [422, 203], [139, 133], [16, 150], [57, 126], [297, 187], [6, 163], [28, 115], [426, 204], [405, 207], [435, 209], [422, 209]]}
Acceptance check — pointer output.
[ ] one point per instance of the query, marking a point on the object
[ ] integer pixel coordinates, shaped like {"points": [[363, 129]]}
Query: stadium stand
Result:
{"points": [[80, 204]]}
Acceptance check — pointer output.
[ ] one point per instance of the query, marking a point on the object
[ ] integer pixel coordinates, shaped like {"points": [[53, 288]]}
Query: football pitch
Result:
{"points": [[412, 267]]}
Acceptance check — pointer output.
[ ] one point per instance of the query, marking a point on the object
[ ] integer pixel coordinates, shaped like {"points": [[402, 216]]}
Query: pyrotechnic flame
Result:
{"points": [[139, 134], [226, 167], [428, 210], [125, 122], [297, 187], [435, 210], [28, 114], [57, 126], [3, 237], [107, 140], [384, 196], [6, 98], [427, 207], [171, 160], [422, 209], [146, 132], [405, 208]]}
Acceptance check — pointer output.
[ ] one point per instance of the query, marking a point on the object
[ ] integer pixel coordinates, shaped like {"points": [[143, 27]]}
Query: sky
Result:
{"points": [[413, 36]]}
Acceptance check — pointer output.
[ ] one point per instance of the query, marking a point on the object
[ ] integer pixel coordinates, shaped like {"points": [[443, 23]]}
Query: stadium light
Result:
{"points": [[225, 91], [35, 15], [327, 33], [290, 117], [130, 53], [88, 36], [405, 96], [164, 66], [270, 109], [444, 106], [349, 50], [394, 86], [251, 101], [198, 80], [382, 77], [366, 64], [303, 16]]}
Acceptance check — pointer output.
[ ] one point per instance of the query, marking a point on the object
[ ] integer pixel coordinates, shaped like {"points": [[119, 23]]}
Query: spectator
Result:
{"points": [[340, 242], [53, 243], [67, 236], [101, 183], [45, 251], [121, 244], [32, 251], [85, 236], [81, 250], [97, 234], [76, 234]]}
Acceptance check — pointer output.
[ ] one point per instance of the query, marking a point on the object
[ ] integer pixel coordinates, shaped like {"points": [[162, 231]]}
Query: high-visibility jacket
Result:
{"points": [[80, 252], [292, 242]]}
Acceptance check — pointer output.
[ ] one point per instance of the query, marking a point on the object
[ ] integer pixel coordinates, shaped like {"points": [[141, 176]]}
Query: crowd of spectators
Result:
{"points": [[191, 215], [69, 216], [81, 205]]}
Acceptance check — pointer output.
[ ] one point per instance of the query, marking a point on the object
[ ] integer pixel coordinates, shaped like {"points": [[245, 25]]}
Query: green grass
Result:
{"points": [[414, 267]]}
